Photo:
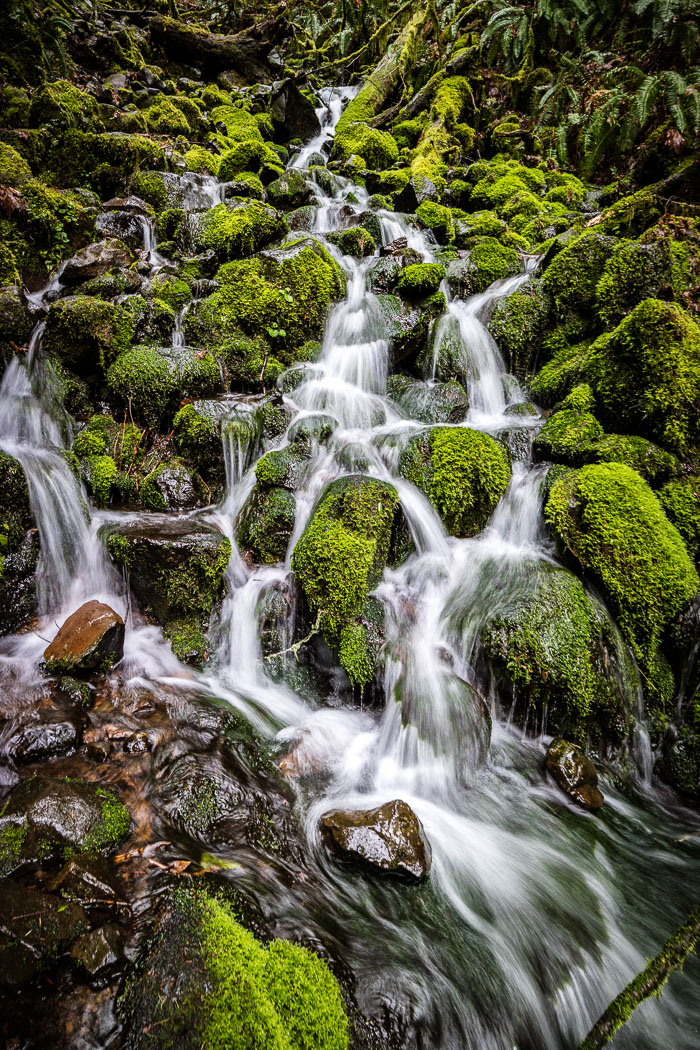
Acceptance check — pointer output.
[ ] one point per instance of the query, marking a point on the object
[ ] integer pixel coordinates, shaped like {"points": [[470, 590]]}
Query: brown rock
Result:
{"points": [[91, 639], [574, 773], [95, 260], [389, 839]]}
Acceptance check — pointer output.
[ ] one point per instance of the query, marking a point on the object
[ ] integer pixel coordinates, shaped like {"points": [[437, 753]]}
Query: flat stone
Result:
{"points": [[389, 839], [34, 927], [95, 260], [91, 639], [574, 773]]}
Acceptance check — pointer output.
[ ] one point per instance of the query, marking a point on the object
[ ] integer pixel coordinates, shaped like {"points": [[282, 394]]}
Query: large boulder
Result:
{"points": [[34, 929], [90, 640], [389, 840], [429, 402], [87, 334], [16, 322], [293, 114], [463, 472], [574, 773], [45, 819], [150, 381], [176, 569], [95, 260]]}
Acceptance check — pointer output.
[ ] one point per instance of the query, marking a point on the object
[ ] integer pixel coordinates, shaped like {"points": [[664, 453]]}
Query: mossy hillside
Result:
{"points": [[646, 375], [463, 472], [611, 522], [240, 227], [87, 334], [344, 549], [151, 381], [233, 992], [562, 657]]}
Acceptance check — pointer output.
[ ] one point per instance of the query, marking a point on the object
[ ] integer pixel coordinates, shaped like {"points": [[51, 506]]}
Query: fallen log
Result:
{"points": [[213, 52]]}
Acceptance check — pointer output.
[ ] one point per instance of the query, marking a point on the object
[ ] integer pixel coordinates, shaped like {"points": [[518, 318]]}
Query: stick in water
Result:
{"points": [[647, 983]]}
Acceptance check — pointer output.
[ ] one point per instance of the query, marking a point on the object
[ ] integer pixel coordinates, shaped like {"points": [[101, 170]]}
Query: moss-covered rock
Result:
{"points": [[207, 982], [681, 501], [377, 149], [197, 434], [165, 118], [172, 486], [256, 157], [151, 381], [289, 190], [491, 261], [438, 219], [463, 473], [429, 402], [176, 570], [65, 105], [646, 375], [87, 334], [561, 656], [571, 279], [14, 170], [19, 547], [354, 241], [637, 271], [610, 521], [266, 523], [518, 324], [240, 227], [420, 279], [343, 551]]}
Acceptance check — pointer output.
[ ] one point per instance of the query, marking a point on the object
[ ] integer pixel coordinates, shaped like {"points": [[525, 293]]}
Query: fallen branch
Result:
{"points": [[647, 983], [297, 645]]}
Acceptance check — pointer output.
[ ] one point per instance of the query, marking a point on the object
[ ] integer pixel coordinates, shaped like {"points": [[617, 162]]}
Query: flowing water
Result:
{"points": [[535, 913]]}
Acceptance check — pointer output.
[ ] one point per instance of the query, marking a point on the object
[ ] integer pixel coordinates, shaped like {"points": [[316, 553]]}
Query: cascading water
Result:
{"points": [[534, 914]]}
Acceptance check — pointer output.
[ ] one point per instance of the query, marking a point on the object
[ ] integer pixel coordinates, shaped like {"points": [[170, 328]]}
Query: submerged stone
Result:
{"points": [[389, 840], [34, 929], [574, 773], [90, 640]]}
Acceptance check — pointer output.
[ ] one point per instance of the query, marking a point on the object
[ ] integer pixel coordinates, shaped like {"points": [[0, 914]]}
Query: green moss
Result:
{"points": [[150, 380], [444, 136], [197, 433], [172, 290], [240, 228], [251, 156], [12, 839], [202, 160], [420, 279], [343, 550], [64, 104], [164, 118], [14, 170], [494, 193], [493, 262], [438, 219], [518, 324], [150, 187], [653, 463], [571, 279], [112, 826], [354, 241], [266, 522], [637, 271], [100, 473], [646, 375], [377, 149], [681, 501], [241, 126], [559, 375], [567, 434], [360, 643], [87, 334], [463, 472], [608, 518]]}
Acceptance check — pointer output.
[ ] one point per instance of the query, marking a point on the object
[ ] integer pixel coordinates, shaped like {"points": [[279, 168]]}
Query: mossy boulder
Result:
{"points": [[19, 547], [151, 381], [636, 271], [463, 472], [197, 434], [429, 402], [681, 501], [438, 219], [420, 280], [561, 656], [239, 228], [176, 571], [90, 640], [518, 324], [355, 241], [646, 375], [207, 981], [571, 279], [65, 105], [341, 555], [609, 520], [14, 169], [87, 334], [266, 523], [408, 325], [255, 156], [492, 261], [166, 118], [46, 819], [377, 149], [290, 190], [172, 486], [568, 433]]}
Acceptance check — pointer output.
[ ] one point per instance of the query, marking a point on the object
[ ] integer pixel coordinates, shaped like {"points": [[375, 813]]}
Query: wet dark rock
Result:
{"points": [[131, 204], [9, 778], [396, 247], [429, 402], [15, 323], [416, 191], [24, 741], [384, 274], [302, 218], [574, 773], [389, 839], [293, 115], [123, 225], [408, 327], [98, 953], [95, 260], [91, 881], [91, 639], [20, 550], [289, 190], [45, 818], [173, 486], [34, 929]]}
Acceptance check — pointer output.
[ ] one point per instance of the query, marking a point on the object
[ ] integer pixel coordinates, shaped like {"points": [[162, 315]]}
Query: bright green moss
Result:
{"points": [[420, 279], [241, 126], [344, 548], [524, 203], [637, 271], [646, 375], [112, 826], [14, 170], [87, 334], [164, 118], [612, 523], [356, 656], [12, 839], [377, 149], [438, 219], [236, 229], [681, 501], [561, 373], [463, 472], [203, 161], [653, 463], [266, 522], [571, 279], [100, 473], [250, 155], [65, 104], [354, 241], [151, 380], [494, 193], [492, 261], [567, 434], [444, 136], [172, 290], [150, 187]]}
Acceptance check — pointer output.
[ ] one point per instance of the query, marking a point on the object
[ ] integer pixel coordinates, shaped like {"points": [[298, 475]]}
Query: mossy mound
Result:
{"points": [[342, 554], [518, 324], [681, 501], [87, 334], [240, 227], [636, 271], [571, 279], [420, 279], [165, 118], [14, 170], [438, 219], [490, 261], [377, 149], [255, 156], [63, 104], [463, 473], [562, 656], [151, 381], [610, 521], [207, 982], [646, 375], [354, 241]]}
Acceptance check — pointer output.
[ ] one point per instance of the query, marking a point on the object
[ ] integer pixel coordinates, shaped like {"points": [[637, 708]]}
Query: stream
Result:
{"points": [[535, 913]]}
